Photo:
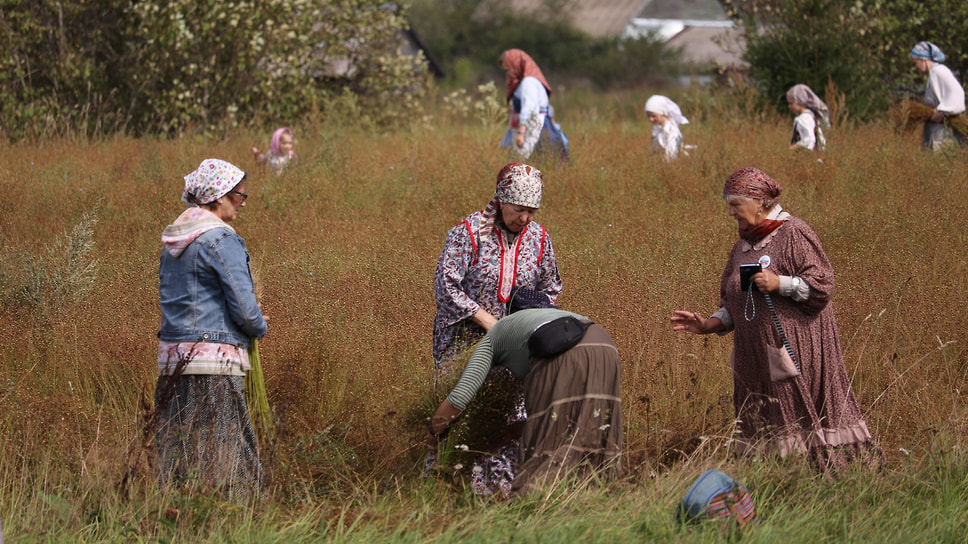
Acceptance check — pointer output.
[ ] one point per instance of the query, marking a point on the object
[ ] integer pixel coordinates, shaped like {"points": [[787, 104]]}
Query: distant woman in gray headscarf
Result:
{"points": [[811, 112], [943, 93]]}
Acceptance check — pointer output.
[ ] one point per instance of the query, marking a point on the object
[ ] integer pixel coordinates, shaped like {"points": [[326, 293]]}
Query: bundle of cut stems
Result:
{"points": [[911, 111], [256, 397]]}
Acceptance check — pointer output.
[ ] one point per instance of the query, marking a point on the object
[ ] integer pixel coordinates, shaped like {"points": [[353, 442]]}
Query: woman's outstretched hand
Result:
{"points": [[688, 321], [695, 323]]}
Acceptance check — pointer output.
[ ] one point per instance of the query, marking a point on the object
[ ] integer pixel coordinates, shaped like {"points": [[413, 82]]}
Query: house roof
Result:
{"points": [[599, 18], [700, 10], [701, 45], [696, 26]]}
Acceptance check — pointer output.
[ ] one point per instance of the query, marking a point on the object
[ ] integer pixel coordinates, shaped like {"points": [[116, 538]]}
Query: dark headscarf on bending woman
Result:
{"points": [[523, 298]]}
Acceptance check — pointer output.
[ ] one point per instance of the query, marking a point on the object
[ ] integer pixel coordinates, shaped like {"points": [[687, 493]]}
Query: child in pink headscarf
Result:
{"points": [[280, 152]]}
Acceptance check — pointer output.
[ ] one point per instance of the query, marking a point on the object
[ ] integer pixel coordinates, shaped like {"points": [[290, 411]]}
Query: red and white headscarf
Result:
{"points": [[211, 181], [517, 184], [519, 65]]}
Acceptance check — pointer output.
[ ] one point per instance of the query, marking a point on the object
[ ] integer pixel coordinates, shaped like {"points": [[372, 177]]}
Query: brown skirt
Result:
{"points": [[574, 404]]}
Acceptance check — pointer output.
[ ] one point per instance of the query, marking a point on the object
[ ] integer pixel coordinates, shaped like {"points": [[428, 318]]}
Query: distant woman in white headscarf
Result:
{"points": [[943, 93], [665, 116], [811, 113]]}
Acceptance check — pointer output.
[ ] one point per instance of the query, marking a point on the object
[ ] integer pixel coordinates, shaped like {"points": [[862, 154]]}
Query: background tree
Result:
{"points": [[467, 36], [61, 62], [863, 47], [815, 42], [899, 24], [143, 66]]}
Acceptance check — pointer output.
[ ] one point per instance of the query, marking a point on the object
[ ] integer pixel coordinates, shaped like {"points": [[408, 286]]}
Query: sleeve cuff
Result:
{"points": [[794, 287], [722, 314]]}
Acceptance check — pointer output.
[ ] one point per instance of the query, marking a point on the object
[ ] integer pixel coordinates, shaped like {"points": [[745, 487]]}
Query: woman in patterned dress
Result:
{"points": [[488, 254], [815, 412], [485, 257]]}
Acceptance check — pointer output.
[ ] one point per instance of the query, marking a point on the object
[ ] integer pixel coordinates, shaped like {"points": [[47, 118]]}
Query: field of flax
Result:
{"points": [[344, 246]]}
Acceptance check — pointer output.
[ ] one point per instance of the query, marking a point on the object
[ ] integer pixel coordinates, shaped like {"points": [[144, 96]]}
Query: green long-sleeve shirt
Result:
{"points": [[505, 344]]}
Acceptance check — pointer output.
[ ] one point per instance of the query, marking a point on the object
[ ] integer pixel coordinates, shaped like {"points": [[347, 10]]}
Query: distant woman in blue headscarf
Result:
{"points": [[944, 93]]}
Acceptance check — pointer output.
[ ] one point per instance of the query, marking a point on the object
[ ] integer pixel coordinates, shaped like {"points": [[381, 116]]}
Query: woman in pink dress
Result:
{"points": [[812, 410]]}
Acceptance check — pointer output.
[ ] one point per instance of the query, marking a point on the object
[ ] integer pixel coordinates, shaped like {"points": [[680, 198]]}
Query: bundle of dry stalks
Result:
{"points": [[911, 113], [257, 398]]}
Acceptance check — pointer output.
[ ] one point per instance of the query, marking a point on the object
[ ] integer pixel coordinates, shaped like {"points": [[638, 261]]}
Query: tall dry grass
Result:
{"points": [[346, 243]]}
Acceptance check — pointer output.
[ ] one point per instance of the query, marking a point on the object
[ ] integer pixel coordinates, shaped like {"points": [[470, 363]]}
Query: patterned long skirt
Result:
{"points": [[574, 426], [205, 435]]}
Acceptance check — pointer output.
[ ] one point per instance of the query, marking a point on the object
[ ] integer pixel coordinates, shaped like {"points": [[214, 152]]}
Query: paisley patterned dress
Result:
{"points": [[479, 271]]}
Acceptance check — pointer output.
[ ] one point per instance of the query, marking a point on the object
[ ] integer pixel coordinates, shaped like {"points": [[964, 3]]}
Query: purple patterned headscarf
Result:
{"points": [[211, 181], [517, 184], [752, 183]]}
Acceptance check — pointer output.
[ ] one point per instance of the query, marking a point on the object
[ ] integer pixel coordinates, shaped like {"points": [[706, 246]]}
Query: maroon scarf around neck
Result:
{"points": [[760, 231]]}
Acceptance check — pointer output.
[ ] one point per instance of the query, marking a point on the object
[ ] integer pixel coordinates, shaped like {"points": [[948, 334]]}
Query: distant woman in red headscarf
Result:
{"points": [[531, 117], [780, 407]]}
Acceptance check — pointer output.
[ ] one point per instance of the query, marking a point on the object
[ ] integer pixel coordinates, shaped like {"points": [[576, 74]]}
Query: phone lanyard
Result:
{"points": [[749, 299]]}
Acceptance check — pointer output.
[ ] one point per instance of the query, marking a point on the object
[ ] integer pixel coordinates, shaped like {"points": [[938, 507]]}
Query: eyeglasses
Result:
{"points": [[243, 195]]}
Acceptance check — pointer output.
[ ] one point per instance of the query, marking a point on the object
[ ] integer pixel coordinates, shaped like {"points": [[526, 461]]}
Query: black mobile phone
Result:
{"points": [[746, 272]]}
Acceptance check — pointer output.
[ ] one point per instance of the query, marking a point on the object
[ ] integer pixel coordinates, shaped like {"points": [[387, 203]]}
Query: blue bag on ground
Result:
{"points": [[716, 495]]}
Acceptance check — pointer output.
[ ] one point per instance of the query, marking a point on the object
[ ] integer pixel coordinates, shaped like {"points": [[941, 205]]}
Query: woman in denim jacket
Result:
{"points": [[209, 314]]}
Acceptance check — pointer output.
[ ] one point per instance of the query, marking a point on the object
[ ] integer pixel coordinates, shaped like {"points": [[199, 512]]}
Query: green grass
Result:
{"points": [[345, 245]]}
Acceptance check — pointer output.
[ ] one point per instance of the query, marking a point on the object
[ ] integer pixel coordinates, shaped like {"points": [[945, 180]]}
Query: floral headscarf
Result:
{"points": [[519, 65], [665, 106], [211, 181], [276, 137], [517, 184], [752, 183], [927, 50], [804, 96]]}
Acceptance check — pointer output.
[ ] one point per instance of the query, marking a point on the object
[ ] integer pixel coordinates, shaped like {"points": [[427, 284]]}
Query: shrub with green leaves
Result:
{"points": [[814, 42], [167, 67]]}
